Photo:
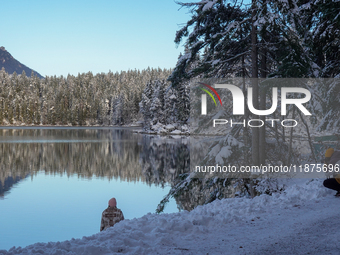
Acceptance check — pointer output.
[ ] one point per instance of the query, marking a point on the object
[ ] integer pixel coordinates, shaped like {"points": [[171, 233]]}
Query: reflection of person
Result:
{"points": [[111, 215], [333, 158]]}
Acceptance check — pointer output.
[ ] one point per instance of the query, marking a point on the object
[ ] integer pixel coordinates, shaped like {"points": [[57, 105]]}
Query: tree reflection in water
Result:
{"points": [[107, 153]]}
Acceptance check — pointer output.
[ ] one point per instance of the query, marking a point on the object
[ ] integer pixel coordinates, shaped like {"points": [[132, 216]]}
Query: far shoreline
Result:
{"points": [[68, 127]]}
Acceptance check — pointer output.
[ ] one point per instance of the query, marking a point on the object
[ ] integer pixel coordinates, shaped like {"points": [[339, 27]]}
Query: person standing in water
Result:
{"points": [[111, 215]]}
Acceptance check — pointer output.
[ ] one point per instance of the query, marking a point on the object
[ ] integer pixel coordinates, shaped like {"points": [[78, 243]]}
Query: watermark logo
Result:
{"points": [[204, 97], [238, 99], [238, 103]]}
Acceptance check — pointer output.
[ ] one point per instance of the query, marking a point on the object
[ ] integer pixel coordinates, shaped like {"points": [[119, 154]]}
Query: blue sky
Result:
{"points": [[62, 37]]}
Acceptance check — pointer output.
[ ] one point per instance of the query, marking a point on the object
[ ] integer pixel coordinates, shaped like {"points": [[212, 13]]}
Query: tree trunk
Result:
{"points": [[262, 143], [309, 137], [246, 115], [254, 75], [290, 149]]}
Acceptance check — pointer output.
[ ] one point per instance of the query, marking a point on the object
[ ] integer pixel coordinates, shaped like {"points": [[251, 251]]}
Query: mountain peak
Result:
{"points": [[12, 65]]}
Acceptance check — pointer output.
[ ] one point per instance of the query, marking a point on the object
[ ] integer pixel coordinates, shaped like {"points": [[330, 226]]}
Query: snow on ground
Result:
{"points": [[303, 219], [169, 129]]}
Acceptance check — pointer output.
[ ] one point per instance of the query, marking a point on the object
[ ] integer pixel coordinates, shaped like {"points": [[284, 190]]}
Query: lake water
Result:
{"points": [[55, 182]]}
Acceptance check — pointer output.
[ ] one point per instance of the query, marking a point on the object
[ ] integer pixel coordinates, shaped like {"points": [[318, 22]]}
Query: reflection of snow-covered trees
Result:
{"points": [[86, 99], [84, 152], [163, 160], [87, 153]]}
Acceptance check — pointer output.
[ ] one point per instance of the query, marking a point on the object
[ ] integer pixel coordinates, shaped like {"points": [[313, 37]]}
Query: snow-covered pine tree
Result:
{"points": [[218, 27], [145, 105], [117, 114], [325, 24], [325, 29], [183, 103], [170, 106], [157, 102]]}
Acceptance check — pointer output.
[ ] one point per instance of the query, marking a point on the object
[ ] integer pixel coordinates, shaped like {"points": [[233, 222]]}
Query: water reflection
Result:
{"points": [[164, 159], [74, 171], [7, 183], [109, 153], [106, 153]]}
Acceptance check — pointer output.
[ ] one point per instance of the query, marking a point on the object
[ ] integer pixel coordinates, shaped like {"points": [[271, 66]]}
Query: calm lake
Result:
{"points": [[55, 182]]}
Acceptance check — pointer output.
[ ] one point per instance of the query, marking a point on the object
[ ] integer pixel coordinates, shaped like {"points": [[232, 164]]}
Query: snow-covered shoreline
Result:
{"points": [[261, 225]]}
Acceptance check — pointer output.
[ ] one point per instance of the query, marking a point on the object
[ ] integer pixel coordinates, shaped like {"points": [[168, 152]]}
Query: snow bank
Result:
{"points": [[179, 233]]}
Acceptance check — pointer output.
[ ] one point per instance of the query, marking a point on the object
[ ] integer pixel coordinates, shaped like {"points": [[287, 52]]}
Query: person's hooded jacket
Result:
{"points": [[111, 215]]}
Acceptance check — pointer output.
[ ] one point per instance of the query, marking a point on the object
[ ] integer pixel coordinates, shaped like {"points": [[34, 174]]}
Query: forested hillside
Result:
{"points": [[86, 99]]}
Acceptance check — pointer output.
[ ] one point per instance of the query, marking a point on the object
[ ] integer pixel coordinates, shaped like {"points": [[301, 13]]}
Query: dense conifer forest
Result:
{"points": [[85, 99]]}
